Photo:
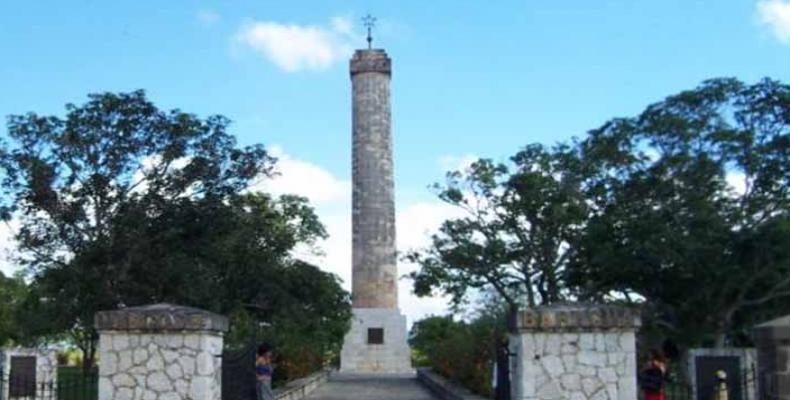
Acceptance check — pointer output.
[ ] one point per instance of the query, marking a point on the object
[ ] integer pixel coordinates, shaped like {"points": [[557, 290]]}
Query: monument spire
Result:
{"points": [[370, 22], [376, 342]]}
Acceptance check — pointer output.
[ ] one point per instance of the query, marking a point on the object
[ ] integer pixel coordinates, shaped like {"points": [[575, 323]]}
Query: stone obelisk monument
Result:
{"points": [[376, 342]]}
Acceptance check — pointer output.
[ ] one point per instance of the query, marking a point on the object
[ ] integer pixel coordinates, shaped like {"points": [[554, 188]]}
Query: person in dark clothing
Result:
{"points": [[652, 379]]}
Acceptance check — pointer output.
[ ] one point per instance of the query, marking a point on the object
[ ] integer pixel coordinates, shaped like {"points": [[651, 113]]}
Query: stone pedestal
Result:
{"points": [[160, 352], [773, 358], [574, 352], [363, 354]]}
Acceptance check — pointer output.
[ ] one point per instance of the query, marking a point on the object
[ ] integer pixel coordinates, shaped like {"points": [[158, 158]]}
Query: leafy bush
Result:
{"points": [[460, 351], [306, 318]]}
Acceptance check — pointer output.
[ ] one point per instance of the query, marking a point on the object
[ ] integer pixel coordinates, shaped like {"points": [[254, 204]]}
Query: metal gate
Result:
{"points": [[22, 378], [502, 378], [238, 373], [708, 366]]}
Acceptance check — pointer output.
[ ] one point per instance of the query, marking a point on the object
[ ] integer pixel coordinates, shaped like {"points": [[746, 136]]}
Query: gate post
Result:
{"points": [[160, 351], [773, 358], [575, 351]]}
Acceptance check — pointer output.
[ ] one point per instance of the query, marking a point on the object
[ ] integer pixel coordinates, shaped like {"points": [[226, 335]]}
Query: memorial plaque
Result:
{"points": [[375, 335]]}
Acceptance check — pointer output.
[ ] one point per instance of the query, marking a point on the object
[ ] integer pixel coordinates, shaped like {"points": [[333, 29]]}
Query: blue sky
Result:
{"points": [[470, 78]]}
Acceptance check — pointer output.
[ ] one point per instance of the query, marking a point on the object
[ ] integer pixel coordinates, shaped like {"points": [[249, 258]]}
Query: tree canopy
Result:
{"points": [[13, 292], [519, 219], [690, 208], [122, 204], [682, 209]]}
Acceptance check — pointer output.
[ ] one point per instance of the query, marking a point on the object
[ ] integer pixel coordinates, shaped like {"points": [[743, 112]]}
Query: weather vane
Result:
{"points": [[370, 22]]}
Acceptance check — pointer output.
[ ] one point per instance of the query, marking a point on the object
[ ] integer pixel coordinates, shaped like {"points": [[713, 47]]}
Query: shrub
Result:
{"points": [[461, 351]]}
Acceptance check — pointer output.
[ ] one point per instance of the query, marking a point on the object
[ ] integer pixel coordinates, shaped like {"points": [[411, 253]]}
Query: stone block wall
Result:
{"points": [[301, 388], [773, 358], [160, 366], [46, 368], [160, 352], [443, 388], [576, 352]]}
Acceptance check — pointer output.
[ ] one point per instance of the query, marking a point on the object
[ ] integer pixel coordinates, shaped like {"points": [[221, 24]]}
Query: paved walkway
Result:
{"points": [[371, 388]]}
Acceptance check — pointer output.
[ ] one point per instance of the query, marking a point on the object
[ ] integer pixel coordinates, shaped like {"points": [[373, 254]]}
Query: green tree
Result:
{"points": [[13, 292], [689, 209], [122, 204], [515, 237], [459, 350]]}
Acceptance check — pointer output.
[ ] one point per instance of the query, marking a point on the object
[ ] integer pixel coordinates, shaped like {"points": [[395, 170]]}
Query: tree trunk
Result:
{"points": [[721, 339], [88, 356], [723, 327]]}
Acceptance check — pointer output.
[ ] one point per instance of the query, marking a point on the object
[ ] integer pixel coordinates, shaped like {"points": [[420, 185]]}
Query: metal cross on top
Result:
{"points": [[370, 22]]}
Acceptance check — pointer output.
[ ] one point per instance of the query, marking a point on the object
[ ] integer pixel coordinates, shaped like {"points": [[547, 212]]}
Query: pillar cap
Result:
{"points": [[160, 317], [774, 330], [577, 318], [370, 60]]}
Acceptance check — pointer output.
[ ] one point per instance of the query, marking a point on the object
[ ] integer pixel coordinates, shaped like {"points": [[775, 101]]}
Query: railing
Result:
{"points": [[746, 386], [28, 388], [769, 387]]}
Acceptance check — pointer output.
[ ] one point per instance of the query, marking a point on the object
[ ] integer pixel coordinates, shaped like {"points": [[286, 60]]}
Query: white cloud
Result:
{"points": [[305, 179], [415, 223], [207, 17], [457, 163], [775, 14], [299, 47], [342, 25]]}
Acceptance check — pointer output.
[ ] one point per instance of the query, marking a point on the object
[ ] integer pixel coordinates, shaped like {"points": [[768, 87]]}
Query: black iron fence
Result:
{"points": [[746, 385], [71, 387], [769, 387], [238, 373]]}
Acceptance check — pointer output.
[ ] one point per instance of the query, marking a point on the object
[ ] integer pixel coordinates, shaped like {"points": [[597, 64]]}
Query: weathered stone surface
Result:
{"points": [[393, 356], [301, 388], [575, 352], [46, 368], [374, 260], [576, 318], [371, 60], [145, 363], [159, 318], [374, 273], [773, 357]]}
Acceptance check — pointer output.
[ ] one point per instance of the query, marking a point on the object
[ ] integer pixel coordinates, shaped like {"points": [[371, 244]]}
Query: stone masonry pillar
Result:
{"points": [[376, 342], [374, 274], [773, 359], [574, 352], [160, 352]]}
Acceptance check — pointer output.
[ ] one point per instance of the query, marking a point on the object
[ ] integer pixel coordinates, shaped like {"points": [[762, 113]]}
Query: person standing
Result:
{"points": [[263, 373], [652, 379], [721, 391]]}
